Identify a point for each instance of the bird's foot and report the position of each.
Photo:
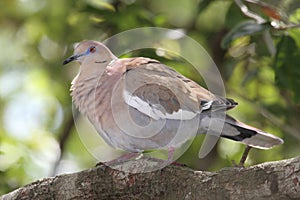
(124, 158)
(137, 162)
(243, 158)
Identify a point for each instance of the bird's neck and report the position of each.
(94, 85)
(81, 89)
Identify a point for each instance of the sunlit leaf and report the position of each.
(101, 5)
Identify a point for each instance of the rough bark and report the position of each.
(273, 180)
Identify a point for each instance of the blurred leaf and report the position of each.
(295, 32)
(203, 5)
(243, 29)
(234, 16)
(249, 76)
(101, 5)
(286, 65)
(267, 9)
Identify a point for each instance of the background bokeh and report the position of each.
(259, 63)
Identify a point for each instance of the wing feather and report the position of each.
(162, 93)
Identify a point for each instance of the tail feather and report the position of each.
(249, 135)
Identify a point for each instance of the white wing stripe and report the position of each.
(207, 105)
(156, 111)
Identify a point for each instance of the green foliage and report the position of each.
(286, 66)
(259, 64)
(247, 28)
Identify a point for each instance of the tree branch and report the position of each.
(273, 180)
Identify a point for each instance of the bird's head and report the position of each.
(91, 52)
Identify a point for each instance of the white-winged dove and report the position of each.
(113, 92)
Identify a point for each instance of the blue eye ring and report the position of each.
(92, 49)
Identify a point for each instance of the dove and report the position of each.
(139, 104)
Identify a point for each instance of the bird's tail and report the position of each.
(238, 131)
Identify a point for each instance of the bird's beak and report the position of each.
(72, 58)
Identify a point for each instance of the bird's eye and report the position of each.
(92, 49)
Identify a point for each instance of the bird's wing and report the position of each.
(206, 97)
(162, 93)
